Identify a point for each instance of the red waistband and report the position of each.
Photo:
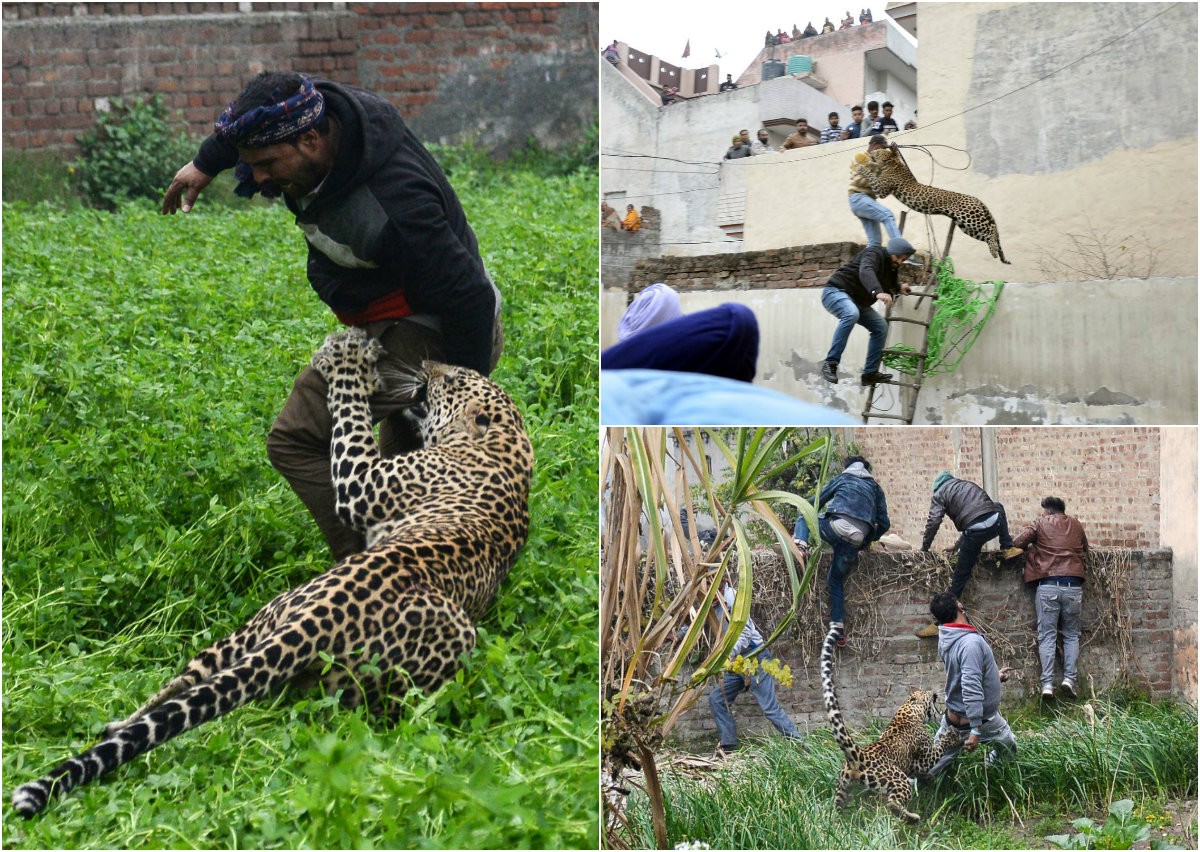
(392, 306)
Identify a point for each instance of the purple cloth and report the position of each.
(722, 341)
(655, 305)
(273, 123)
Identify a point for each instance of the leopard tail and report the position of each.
(853, 754)
(252, 677)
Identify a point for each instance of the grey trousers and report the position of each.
(994, 730)
(762, 685)
(1059, 608)
(298, 443)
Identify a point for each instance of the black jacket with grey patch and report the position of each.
(386, 233)
(965, 503)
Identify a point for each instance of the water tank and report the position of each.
(772, 68)
(799, 64)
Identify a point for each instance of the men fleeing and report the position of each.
(852, 514)
(732, 684)
(978, 518)
(389, 250)
(972, 684)
(1055, 545)
(870, 277)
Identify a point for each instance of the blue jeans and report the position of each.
(839, 303)
(763, 686)
(870, 212)
(1059, 606)
(970, 544)
(845, 558)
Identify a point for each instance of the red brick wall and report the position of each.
(1107, 477)
(62, 60)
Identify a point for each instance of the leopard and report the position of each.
(905, 749)
(887, 174)
(443, 523)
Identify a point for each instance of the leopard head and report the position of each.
(920, 707)
(459, 404)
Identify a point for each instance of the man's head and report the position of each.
(745, 136)
(628, 207)
(941, 479)
(873, 108)
(833, 119)
(877, 141)
(856, 114)
(944, 608)
(1054, 506)
(737, 139)
(856, 460)
(887, 109)
(763, 135)
(900, 250)
(282, 132)
(728, 78)
(801, 125)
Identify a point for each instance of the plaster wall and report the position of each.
(1139, 363)
(1119, 169)
(1178, 514)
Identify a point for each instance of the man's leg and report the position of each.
(870, 213)
(950, 753)
(1048, 607)
(763, 687)
(844, 556)
(720, 700)
(841, 306)
(298, 442)
(1002, 528)
(997, 732)
(969, 546)
(1072, 619)
(877, 326)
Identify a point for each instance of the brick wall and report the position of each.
(498, 72)
(1109, 478)
(874, 677)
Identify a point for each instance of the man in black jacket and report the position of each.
(870, 277)
(389, 249)
(978, 518)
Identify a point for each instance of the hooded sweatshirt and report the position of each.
(972, 677)
(387, 236)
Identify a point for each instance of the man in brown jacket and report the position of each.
(1054, 545)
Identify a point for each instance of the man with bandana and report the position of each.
(389, 250)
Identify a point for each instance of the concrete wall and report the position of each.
(1178, 531)
(498, 73)
(874, 676)
(1093, 150)
(1077, 353)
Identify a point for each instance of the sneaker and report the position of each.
(929, 631)
(1011, 552)
(1047, 691)
(829, 372)
(876, 378)
(1068, 686)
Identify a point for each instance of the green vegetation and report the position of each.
(144, 359)
(772, 795)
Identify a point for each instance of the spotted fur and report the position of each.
(443, 524)
(887, 174)
(904, 749)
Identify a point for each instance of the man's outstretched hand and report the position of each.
(184, 189)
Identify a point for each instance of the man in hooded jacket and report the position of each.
(389, 250)
(852, 514)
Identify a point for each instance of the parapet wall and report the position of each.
(497, 72)
(884, 660)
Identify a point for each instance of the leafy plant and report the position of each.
(1122, 830)
(133, 152)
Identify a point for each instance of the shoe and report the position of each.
(1011, 552)
(1047, 691)
(929, 631)
(1068, 686)
(802, 546)
(723, 751)
(876, 378)
(829, 371)
(841, 629)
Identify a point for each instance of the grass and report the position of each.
(144, 359)
(775, 796)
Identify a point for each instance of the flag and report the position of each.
(687, 49)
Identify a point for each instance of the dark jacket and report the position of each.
(387, 236)
(1058, 545)
(854, 493)
(866, 276)
(965, 503)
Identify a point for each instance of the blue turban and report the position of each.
(721, 341)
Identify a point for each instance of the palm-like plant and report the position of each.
(655, 606)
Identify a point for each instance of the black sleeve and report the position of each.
(868, 273)
(215, 156)
(444, 277)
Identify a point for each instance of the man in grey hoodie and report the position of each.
(972, 684)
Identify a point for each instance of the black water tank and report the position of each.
(773, 68)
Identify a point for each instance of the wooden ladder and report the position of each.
(909, 389)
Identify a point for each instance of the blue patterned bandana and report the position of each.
(276, 122)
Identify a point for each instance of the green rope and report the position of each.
(963, 308)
